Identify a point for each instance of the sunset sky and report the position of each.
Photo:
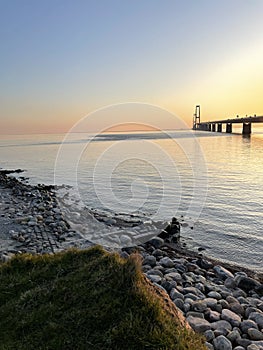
(62, 59)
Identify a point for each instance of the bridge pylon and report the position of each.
(197, 115)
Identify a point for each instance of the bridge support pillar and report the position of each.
(209, 127)
(213, 127)
(246, 129)
(219, 127)
(229, 128)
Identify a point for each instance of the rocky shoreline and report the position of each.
(223, 302)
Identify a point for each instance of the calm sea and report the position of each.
(214, 182)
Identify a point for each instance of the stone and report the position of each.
(222, 343)
(259, 290)
(221, 324)
(155, 278)
(198, 324)
(239, 348)
(260, 306)
(175, 294)
(156, 242)
(222, 272)
(149, 260)
(258, 318)
(254, 334)
(231, 317)
(191, 296)
(253, 347)
(166, 262)
(246, 283)
(155, 272)
(175, 276)
(158, 253)
(199, 306)
(210, 302)
(230, 283)
(195, 314)
(193, 290)
(233, 336)
(169, 285)
(209, 346)
(243, 342)
(214, 295)
(209, 335)
(249, 310)
(179, 303)
(221, 331)
(237, 308)
(213, 316)
(224, 304)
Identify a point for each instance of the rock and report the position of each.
(259, 344)
(247, 324)
(155, 278)
(220, 331)
(211, 302)
(249, 310)
(233, 336)
(179, 303)
(253, 347)
(255, 334)
(155, 272)
(230, 283)
(237, 308)
(158, 253)
(199, 306)
(222, 343)
(259, 290)
(246, 283)
(166, 262)
(149, 260)
(209, 346)
(156, 242)
(244, 342)
(171, 232)
(258, 318)
(221, 324)
(213, 316)
(195, 314)
(214, 295)
(175, 276)
(193, 290)
(231, 317)
(209, 335)
(198, 324)
(222, 272)
(169, 285)
(239, 348)
(175, 294)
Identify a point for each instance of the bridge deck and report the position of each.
(258, 119)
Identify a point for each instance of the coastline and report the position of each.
(222, 301)
(61, 236)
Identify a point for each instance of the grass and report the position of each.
(87, 299)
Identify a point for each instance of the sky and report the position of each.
(63, 59)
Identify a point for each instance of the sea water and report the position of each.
(213, 182)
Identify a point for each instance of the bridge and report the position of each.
(216, 125)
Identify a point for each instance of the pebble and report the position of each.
(226, 307)
(222, 343)
(211, 300)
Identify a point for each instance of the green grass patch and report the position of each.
(85, 299)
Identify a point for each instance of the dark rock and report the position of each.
(172, 232)
(247, 283)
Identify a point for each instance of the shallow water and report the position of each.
(214, 180)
